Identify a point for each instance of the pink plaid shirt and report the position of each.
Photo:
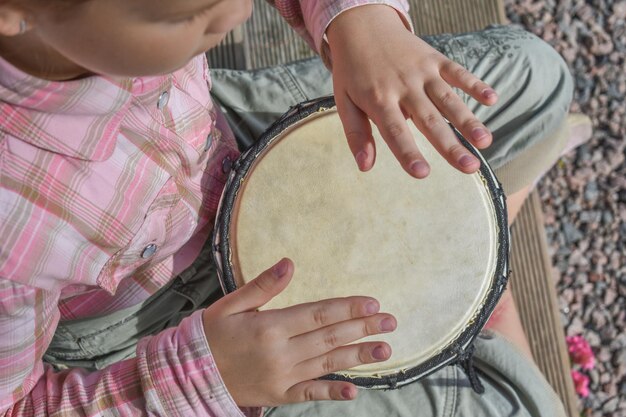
(109, 189)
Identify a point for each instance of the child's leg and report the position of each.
(535, 91)
(513, 387)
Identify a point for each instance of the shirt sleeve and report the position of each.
(173, 374)
(310, 18)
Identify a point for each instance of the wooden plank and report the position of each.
(230, 52)
(432, 17)
(534, 291)
(269, 41)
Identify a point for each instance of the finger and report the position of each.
(307, 317)
(459, 77)
(392, 125)
(432, 124)
(321, 341)
(453, 108)
(358, 131)
(343, 358)
(260, 290)
(321, 390)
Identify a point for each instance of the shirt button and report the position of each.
(163, 99)
(227, 164)
(148, 251)
(209, 141)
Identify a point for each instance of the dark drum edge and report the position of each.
(449, 355)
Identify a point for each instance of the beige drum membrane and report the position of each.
(425, 249)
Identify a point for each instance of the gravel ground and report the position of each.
(584, 196)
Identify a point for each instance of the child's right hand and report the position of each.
(272, 357)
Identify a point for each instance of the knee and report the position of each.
(549, 70)
(547, 77)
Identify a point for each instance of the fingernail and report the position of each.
(479, 134)
(346, 393)
(387, 325)
(379, 353)
(488, 93)
(371, 307)
(280, 269)
(361, 159)
(466, 161)
(420, 169)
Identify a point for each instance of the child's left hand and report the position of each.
(383, 72)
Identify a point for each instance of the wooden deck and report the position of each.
(265, 40)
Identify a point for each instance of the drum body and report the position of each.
(434, 252)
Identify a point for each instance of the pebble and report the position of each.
(591, 191)
(572, 234)
(604, 355)
(619, 342)
(576, 326)
(593, 338)
(598, 319)
(610, 296)
(611, 405)
(619, 357)
(594, 378)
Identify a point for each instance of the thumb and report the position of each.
(260, 290)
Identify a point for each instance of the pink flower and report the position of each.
(580, 352)
(581, 383)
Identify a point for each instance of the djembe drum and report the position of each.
(433, 252)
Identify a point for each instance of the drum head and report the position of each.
(426, 249)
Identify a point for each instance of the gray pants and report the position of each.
(514, 387)
(529, 134)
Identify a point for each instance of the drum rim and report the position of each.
(459, 349)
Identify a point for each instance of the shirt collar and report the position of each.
(79, 119)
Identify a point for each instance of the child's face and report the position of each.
(139, 37)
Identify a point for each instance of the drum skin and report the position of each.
(430, 250)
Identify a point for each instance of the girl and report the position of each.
(113, 157)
